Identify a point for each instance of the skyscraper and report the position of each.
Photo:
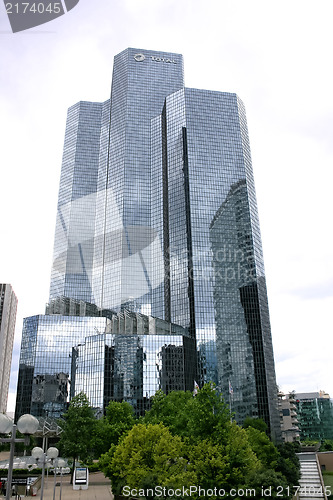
(8, 307)
(157, 215)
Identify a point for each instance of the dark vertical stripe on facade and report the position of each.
(166, 236)
(250, 302)
(189, 234)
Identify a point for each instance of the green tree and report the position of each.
(288, 462)
(280, 464)
(201, 444)
(263, 447)
(149, 455)
(240, 456)
(78, 428)
(327, 445)
(171, 410)
(118, 420)
(269, 483)
(256, 423)
(224, 465)
(200, 417)
(209, 463)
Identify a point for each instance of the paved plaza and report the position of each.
(99, 487)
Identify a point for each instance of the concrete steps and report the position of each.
(311, 481)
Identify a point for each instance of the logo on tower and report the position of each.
(139, 57)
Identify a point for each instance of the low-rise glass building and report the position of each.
(124, 357)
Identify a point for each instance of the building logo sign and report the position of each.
(141, 57)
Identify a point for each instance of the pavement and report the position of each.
(99, 489)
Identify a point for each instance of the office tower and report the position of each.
(315, 415)
(8, 307)
(157, 215)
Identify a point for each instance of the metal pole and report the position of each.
(10, 466)
(60, 483)
(55, 478)
(43, 475)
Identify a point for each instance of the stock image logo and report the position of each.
(25, 15)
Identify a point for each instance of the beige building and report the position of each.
(288, 418)
(8, 307)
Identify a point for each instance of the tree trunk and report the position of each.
(72, 473)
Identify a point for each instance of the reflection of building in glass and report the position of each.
(242, 323)
(43, 387)
(126, 357)
(145, 178)
(8, 306)
(130, 362)
(172, 367)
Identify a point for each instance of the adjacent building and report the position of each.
(8, 307)
(315, 415)
(157, 216)
(288, 417)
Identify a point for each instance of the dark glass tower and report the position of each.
(157, 215)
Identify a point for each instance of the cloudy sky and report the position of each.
(276, 55)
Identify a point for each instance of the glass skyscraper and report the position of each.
(157, 216)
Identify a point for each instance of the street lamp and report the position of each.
(61, 464)
(27, 424)
(39, 454)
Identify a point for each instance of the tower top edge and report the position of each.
(149, 52)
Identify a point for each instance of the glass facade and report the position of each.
(157, 215)
(315, 416)
(126, 357)
(136, 356)
(44, 381)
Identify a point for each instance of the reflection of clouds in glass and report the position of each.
(86, 249)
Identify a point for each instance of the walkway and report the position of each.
(311, 485)
(99, 489)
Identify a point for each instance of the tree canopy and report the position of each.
(200, 417)
(187, 440)
(78, 427)
(118, 420)
(147, 456)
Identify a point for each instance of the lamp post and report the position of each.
(27, 424)
(39, 454)
(61, 464)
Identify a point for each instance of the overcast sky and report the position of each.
(276, 55)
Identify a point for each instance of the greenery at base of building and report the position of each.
(21, 472)
(182, 440)
(78, 423)
(86, 437)
(185, 440)
(327, 445)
